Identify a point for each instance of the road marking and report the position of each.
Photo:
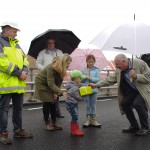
(104, 100)
(35, 108)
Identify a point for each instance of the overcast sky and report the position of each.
(86, 18)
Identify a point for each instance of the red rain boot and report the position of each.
(79, 129)
(75, 130)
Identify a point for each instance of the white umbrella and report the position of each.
(127, 38)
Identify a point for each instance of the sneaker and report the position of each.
(130, 130)
(21, 133)
(142, 132)
(4, 138)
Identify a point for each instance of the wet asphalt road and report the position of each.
(109, 137)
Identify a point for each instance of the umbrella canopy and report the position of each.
(79, 59)
(129, 38)
(65, 40)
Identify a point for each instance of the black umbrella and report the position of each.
(65, 40)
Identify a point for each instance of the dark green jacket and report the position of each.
(47, 83)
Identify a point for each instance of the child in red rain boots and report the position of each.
(73, 97)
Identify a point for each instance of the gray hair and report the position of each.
(120, 57)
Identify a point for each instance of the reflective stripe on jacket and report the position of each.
(11, 55)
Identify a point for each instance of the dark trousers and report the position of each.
(135, 100)
(17, 101)
(58, 112)
(49, 108)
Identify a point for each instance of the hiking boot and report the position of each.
(87, 123)
(4, 138)
(93, 122)
(57, 126)
(21, 133)
(142, 132)
(49, 127)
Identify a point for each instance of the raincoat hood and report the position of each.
(70, 84)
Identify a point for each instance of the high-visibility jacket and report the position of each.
(11, 57)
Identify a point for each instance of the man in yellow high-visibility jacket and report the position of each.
(13, 73)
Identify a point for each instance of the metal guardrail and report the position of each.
(99, 95)
(102, 88)
(31, 83)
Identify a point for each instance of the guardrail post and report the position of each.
(108, 93)
(108, 90)
(31, 99)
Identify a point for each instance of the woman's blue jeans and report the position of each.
(90, 104)
(17, 101)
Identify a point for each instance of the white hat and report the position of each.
(11, 24)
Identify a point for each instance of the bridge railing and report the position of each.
(105, 91)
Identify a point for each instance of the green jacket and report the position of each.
(142, 82)
(47, 83)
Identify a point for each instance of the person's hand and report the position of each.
(55, 96)
(133, 74)
(93, 85)
(87, 76)
(23, 75)
(65, 95)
